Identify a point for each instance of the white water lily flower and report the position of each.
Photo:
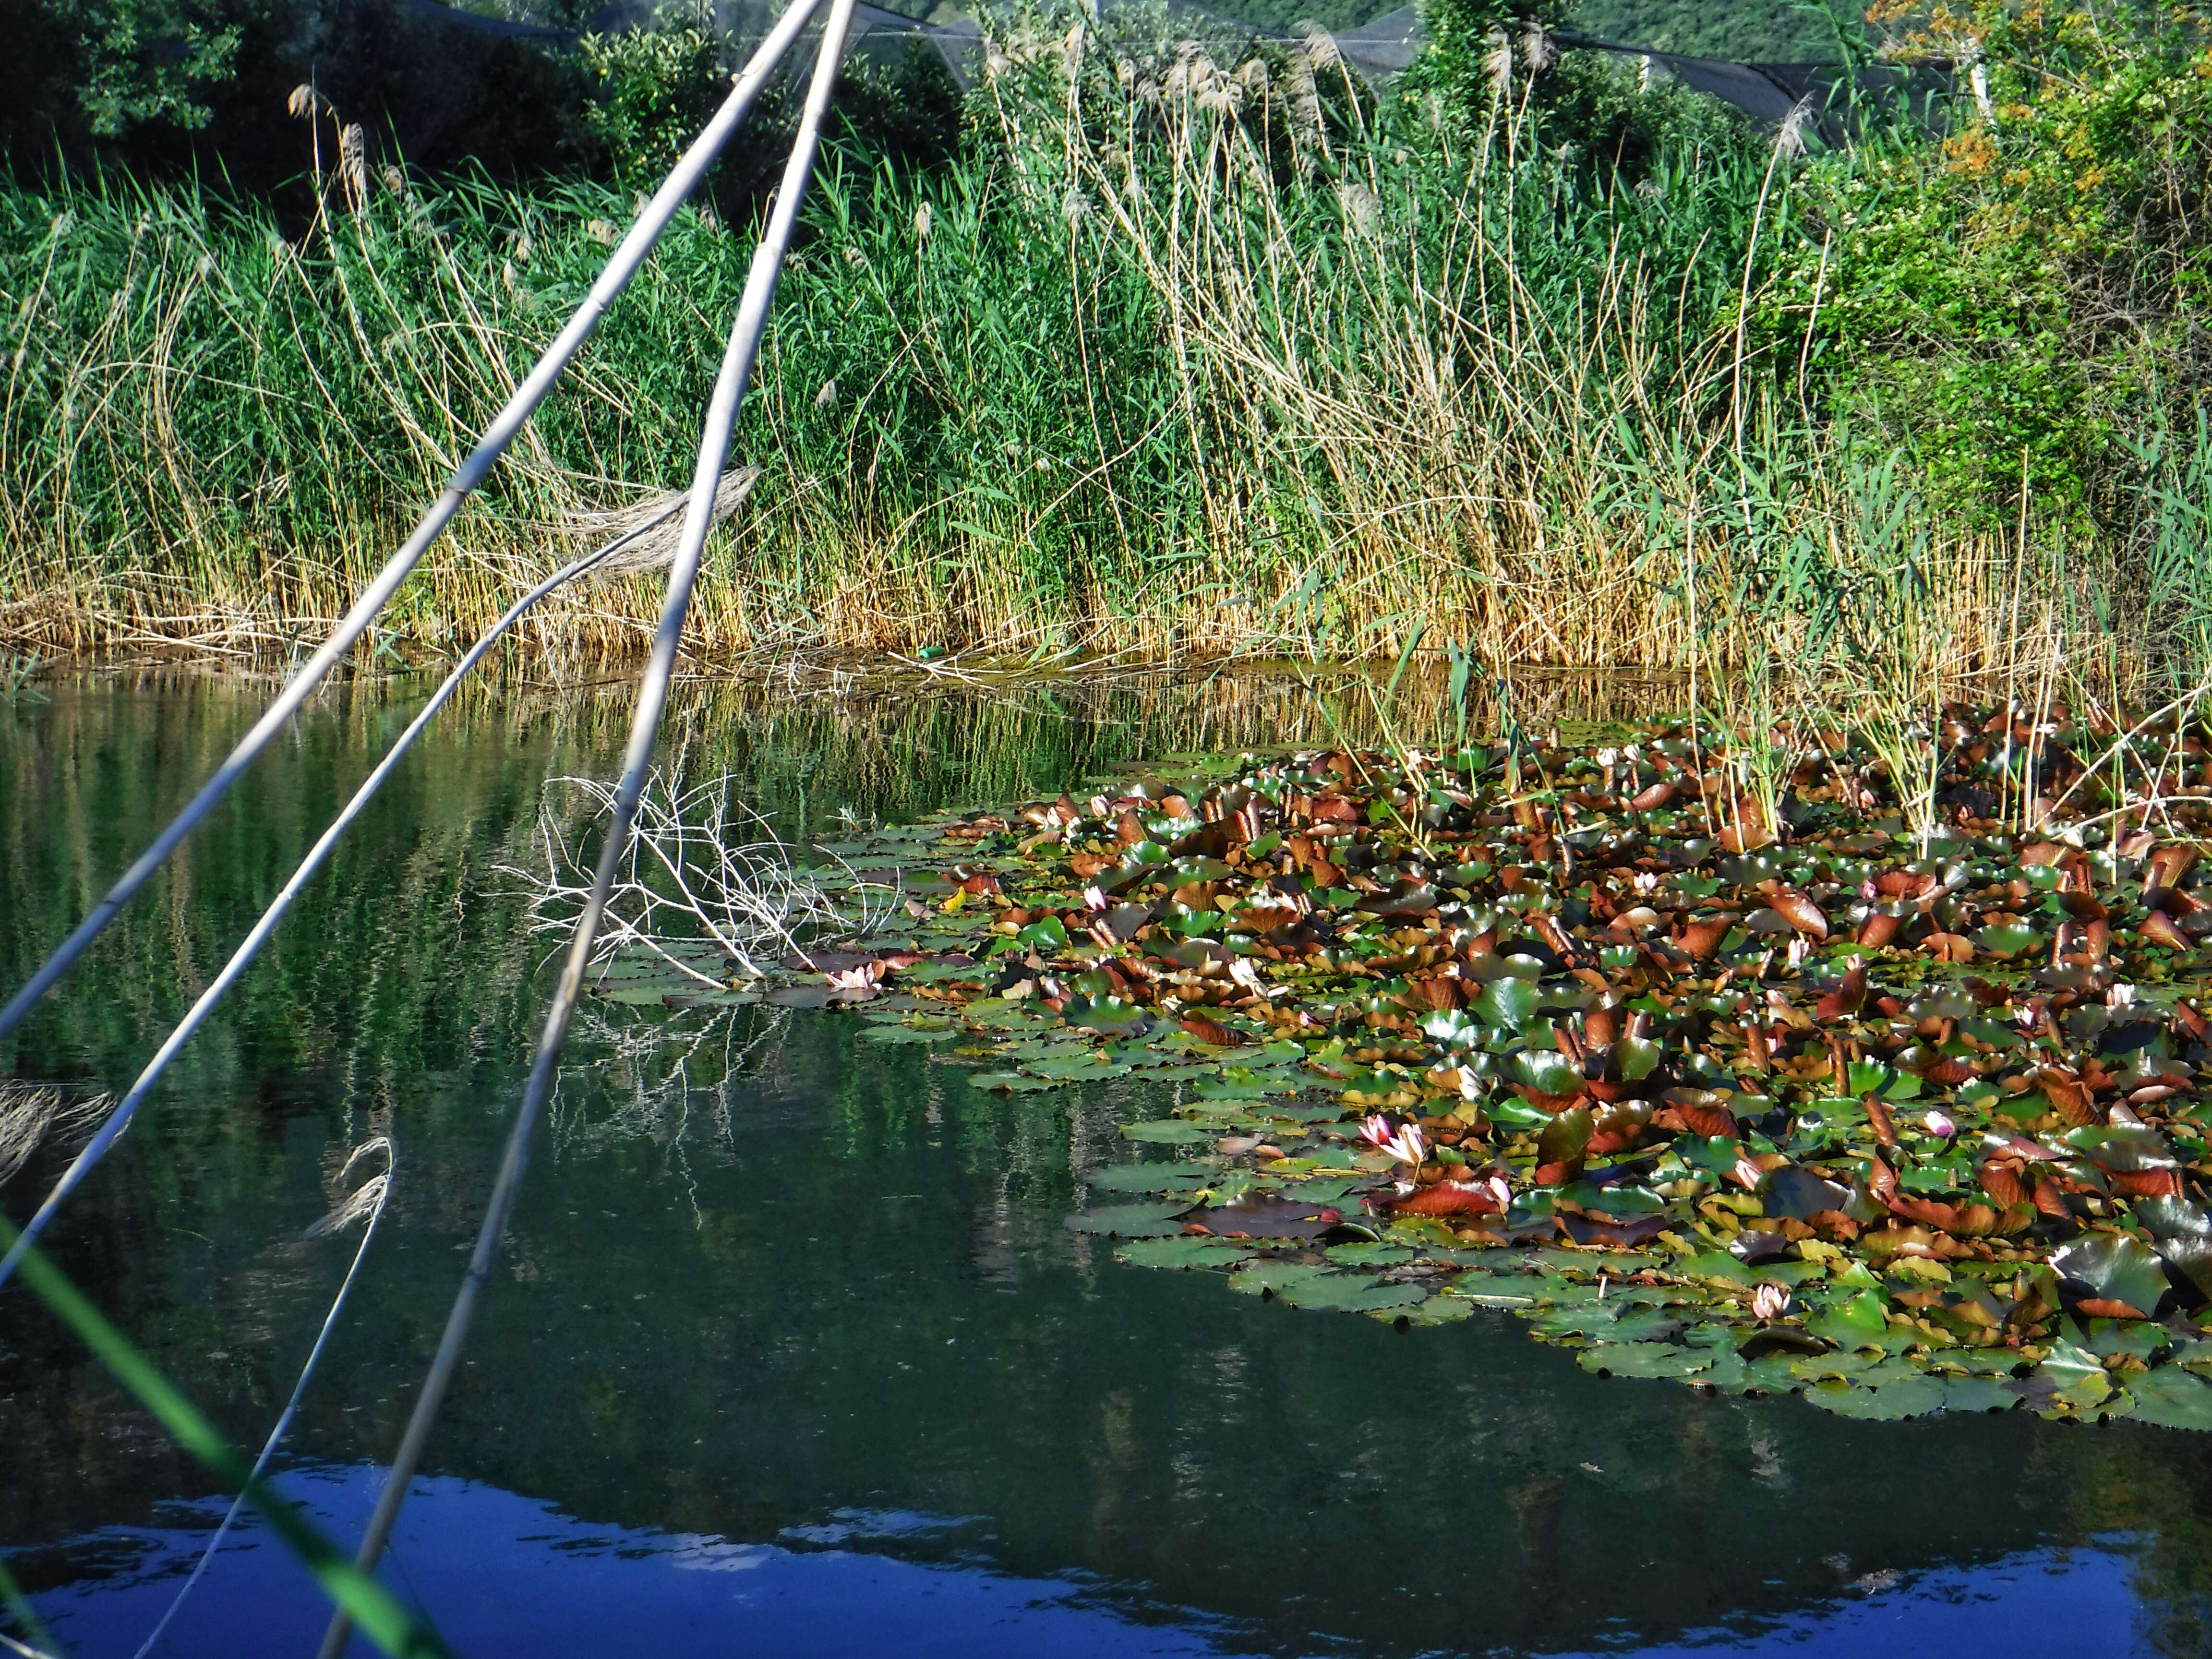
(1770, 1302)
(1411, 1146)
(1408, 1145)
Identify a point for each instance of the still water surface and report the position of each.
(790, 1352)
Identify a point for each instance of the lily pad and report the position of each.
(1977, 1394)
(1351, 1293)
(1130, 1220)
(1152, 1177)
(1182, 1253)
(2171, 1399)
(1168, 1131)
(1890, 1402)
(1644, 1359)
(2118, 1269)
(1834, 1112)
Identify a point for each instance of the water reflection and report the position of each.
(765, 1279)
(504, 1574)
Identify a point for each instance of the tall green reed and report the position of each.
(1196, 347)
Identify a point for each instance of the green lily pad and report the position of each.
(1182, 1253)
(1977, 1394)
(1152, 1177)
(1377, 1254)
(1016, 1083)
(2170, 1398)
(1509, 1002)
(1168, 1131)
(1447, 1307)
(1351, 1293)
(1109, 1014)
(1890, 1402)
(1275, 1277)
(1236, 1083)
(1858, 1321)
(2115, 1266)
(1645, 1359)
(2007, 940)
(1075, 1068)
(2070, 1379)
(1130, 1220)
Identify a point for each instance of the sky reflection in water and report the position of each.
(503, 1574)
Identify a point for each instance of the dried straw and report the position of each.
(30, 1112)
(656, 526)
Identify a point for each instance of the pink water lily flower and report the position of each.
(1408, 1145)
(1411, 1146)
(1769, 1302)
(1940, 1124)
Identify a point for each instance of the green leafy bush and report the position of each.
(656, 88)
(2014, 299)
(151, 60)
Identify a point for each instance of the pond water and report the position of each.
(790, 1351)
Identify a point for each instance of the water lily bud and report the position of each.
(1940, 1124)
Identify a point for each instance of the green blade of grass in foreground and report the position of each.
(373, 1610)
(37, 1638)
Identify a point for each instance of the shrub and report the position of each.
(2012, 300)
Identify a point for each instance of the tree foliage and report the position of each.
(2024, 298)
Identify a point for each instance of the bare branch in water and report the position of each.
(701, 868)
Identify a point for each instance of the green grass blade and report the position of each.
(1405, 657)
(371, 1608)
(41, 1642)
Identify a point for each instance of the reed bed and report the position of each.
(1193, 353)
